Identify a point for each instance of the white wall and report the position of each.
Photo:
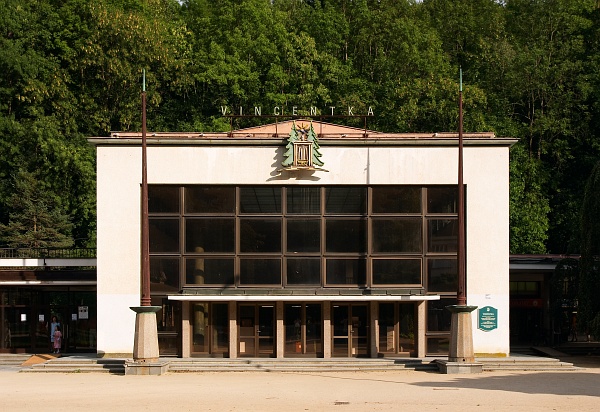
(118, 208)
(488, 243)
(119, 178)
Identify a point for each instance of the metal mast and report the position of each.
(461, 295)
(145, 299)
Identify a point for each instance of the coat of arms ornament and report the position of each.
(302, 149)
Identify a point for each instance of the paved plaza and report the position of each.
(288, 392)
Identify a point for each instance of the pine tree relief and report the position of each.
(289, 153)
(316, 154)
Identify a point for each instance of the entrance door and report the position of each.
(350, 330)
(303, 326)
(210, 328)
(256, 333)
(397, 328)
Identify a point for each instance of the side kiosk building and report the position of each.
(302, 239)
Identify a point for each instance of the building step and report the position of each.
(75, 369)
(525, 363)
(313, 365)
(176, 365)
(10, 359)
(79, 365)
(528, 368)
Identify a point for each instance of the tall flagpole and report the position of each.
(461, 295)
(145, 299)
(461, 356)
(145, 342)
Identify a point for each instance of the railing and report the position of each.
(41, 253)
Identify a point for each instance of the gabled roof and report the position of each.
(321, 128)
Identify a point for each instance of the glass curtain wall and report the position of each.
(271, 236)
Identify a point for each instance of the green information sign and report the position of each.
(487, 318)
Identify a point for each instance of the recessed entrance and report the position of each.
(397, 329)
(350, 326)
(256, 330)
(303, 325)
(210, 329)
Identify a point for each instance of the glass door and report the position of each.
(266, 329)
(247, 332)
(313, 324)
(388, 328)
(359, 331)
(341, 331)
(303, 325)
(397, 329)
(256, 330)
(350, 330)
(79, 330)
(210, 329)
(406, 329)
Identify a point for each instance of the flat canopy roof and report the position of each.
(302, 298)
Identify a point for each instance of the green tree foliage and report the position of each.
(589, 304)
(72, 68)
(528, 207)
(548, 85)
(36, 219)
(65, 168)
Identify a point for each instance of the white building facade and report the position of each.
(353, 254)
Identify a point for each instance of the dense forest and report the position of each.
(72, 69)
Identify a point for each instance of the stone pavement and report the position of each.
(303, 391)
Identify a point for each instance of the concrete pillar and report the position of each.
(461, 358)
(461, 334)
(421, 328)
(279, 330)
(233, 331)
(327, 330)
(145, 341)
(186, 341)
(374, 329)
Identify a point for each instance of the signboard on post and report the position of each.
(487, 318)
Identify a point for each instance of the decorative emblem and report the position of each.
(302, 149)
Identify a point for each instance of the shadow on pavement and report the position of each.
(552, 383)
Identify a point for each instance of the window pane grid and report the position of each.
(300, 236)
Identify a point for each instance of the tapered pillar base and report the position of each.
(145, 343)
(461, 357)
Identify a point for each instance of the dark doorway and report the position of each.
(350, 326)
(256, 330)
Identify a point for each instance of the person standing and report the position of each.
(57, 339)
(53, 325)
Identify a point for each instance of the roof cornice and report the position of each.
(379, 139)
